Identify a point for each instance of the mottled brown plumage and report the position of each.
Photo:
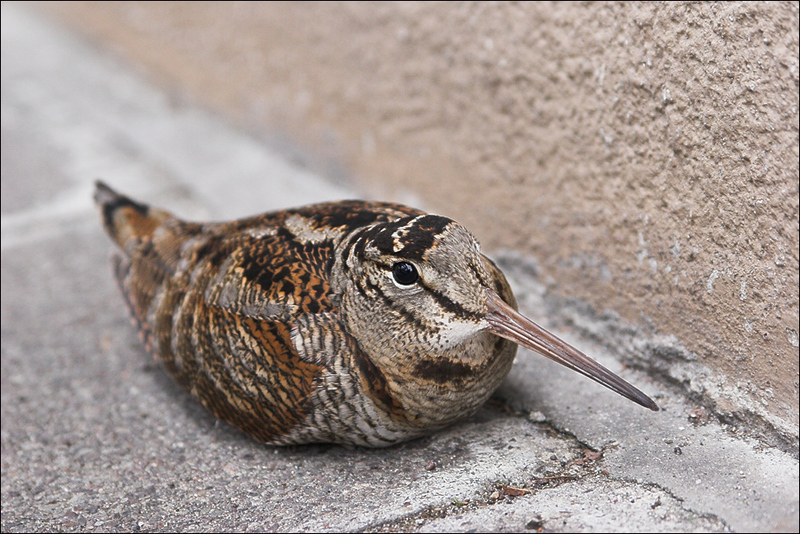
(353, 322)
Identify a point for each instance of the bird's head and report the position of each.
(418, 295)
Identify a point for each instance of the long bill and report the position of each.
(506, 322)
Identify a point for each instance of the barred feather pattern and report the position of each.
(264, 320)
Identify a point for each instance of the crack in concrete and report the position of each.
(661, 357)
(590, 470)
(501, 491)
(501, 495)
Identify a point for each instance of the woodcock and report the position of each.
(362, 323)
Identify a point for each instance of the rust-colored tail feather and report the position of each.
(124, 218)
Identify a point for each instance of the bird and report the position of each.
(351, 322)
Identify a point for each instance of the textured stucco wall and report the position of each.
(645, 154)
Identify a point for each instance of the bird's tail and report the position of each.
(126, 220)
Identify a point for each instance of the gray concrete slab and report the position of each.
(96, 437)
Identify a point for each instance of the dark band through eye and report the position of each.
(404, 273)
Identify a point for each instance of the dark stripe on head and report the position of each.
(452, 306)
(478, 275)
(415, 235)
(361, 239)
(415, 322)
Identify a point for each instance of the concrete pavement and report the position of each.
(95, 436)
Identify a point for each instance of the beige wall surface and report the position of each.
(646, 154)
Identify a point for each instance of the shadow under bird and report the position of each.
(352, 322)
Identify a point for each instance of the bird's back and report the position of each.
(217, 303)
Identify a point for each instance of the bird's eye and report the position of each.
(404, 273)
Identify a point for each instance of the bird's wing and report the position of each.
(216, 303)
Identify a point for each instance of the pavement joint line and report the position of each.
(484, 498)
(671, 494)
(417, 519)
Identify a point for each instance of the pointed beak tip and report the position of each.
(644, 401)
(506, 322)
